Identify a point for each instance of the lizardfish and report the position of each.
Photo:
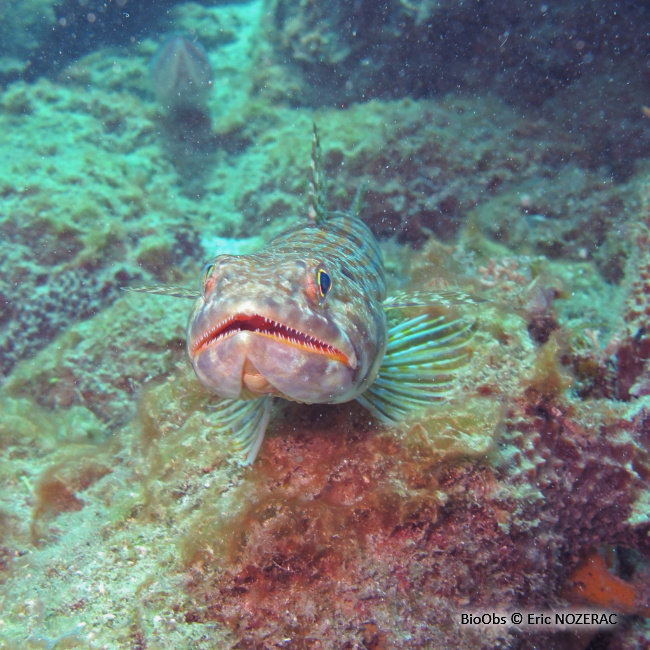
(304, 319)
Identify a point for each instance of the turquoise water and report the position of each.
(504, 153)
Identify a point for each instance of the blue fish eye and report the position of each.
(324, 283)
(207, 269)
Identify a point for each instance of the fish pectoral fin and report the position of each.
(245, 421)
(419, 368)
(402, 299)
(166, 290)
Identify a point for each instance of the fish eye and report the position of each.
(207, 270)
(324, 283)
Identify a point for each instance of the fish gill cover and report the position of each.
(504, 152)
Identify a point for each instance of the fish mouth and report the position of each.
(263, 326)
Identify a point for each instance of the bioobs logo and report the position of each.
(525, 619)
(488, 618)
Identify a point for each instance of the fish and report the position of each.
(181, 74)
(306, 319)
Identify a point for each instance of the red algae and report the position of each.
(57, 488)
(343, 532)
(329, 514)
(592, 583)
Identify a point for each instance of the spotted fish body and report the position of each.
(304, 319)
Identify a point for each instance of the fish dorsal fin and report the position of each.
(317, 190)
(166, 290)
(403, 299)
(419, 368)
(245, 421)
(357, 202)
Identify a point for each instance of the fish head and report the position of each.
(297, 328)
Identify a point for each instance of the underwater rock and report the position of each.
(343, 534)
(22, 28)
(67, 29)
(63, 297)
(339, 523)
(488, 502)
(350, 51)
(633, 350)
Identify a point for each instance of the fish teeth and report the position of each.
(277, 330)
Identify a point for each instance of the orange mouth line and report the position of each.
(269, 328)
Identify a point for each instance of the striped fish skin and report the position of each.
(262, 327)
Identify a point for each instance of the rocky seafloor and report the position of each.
(505, 153)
